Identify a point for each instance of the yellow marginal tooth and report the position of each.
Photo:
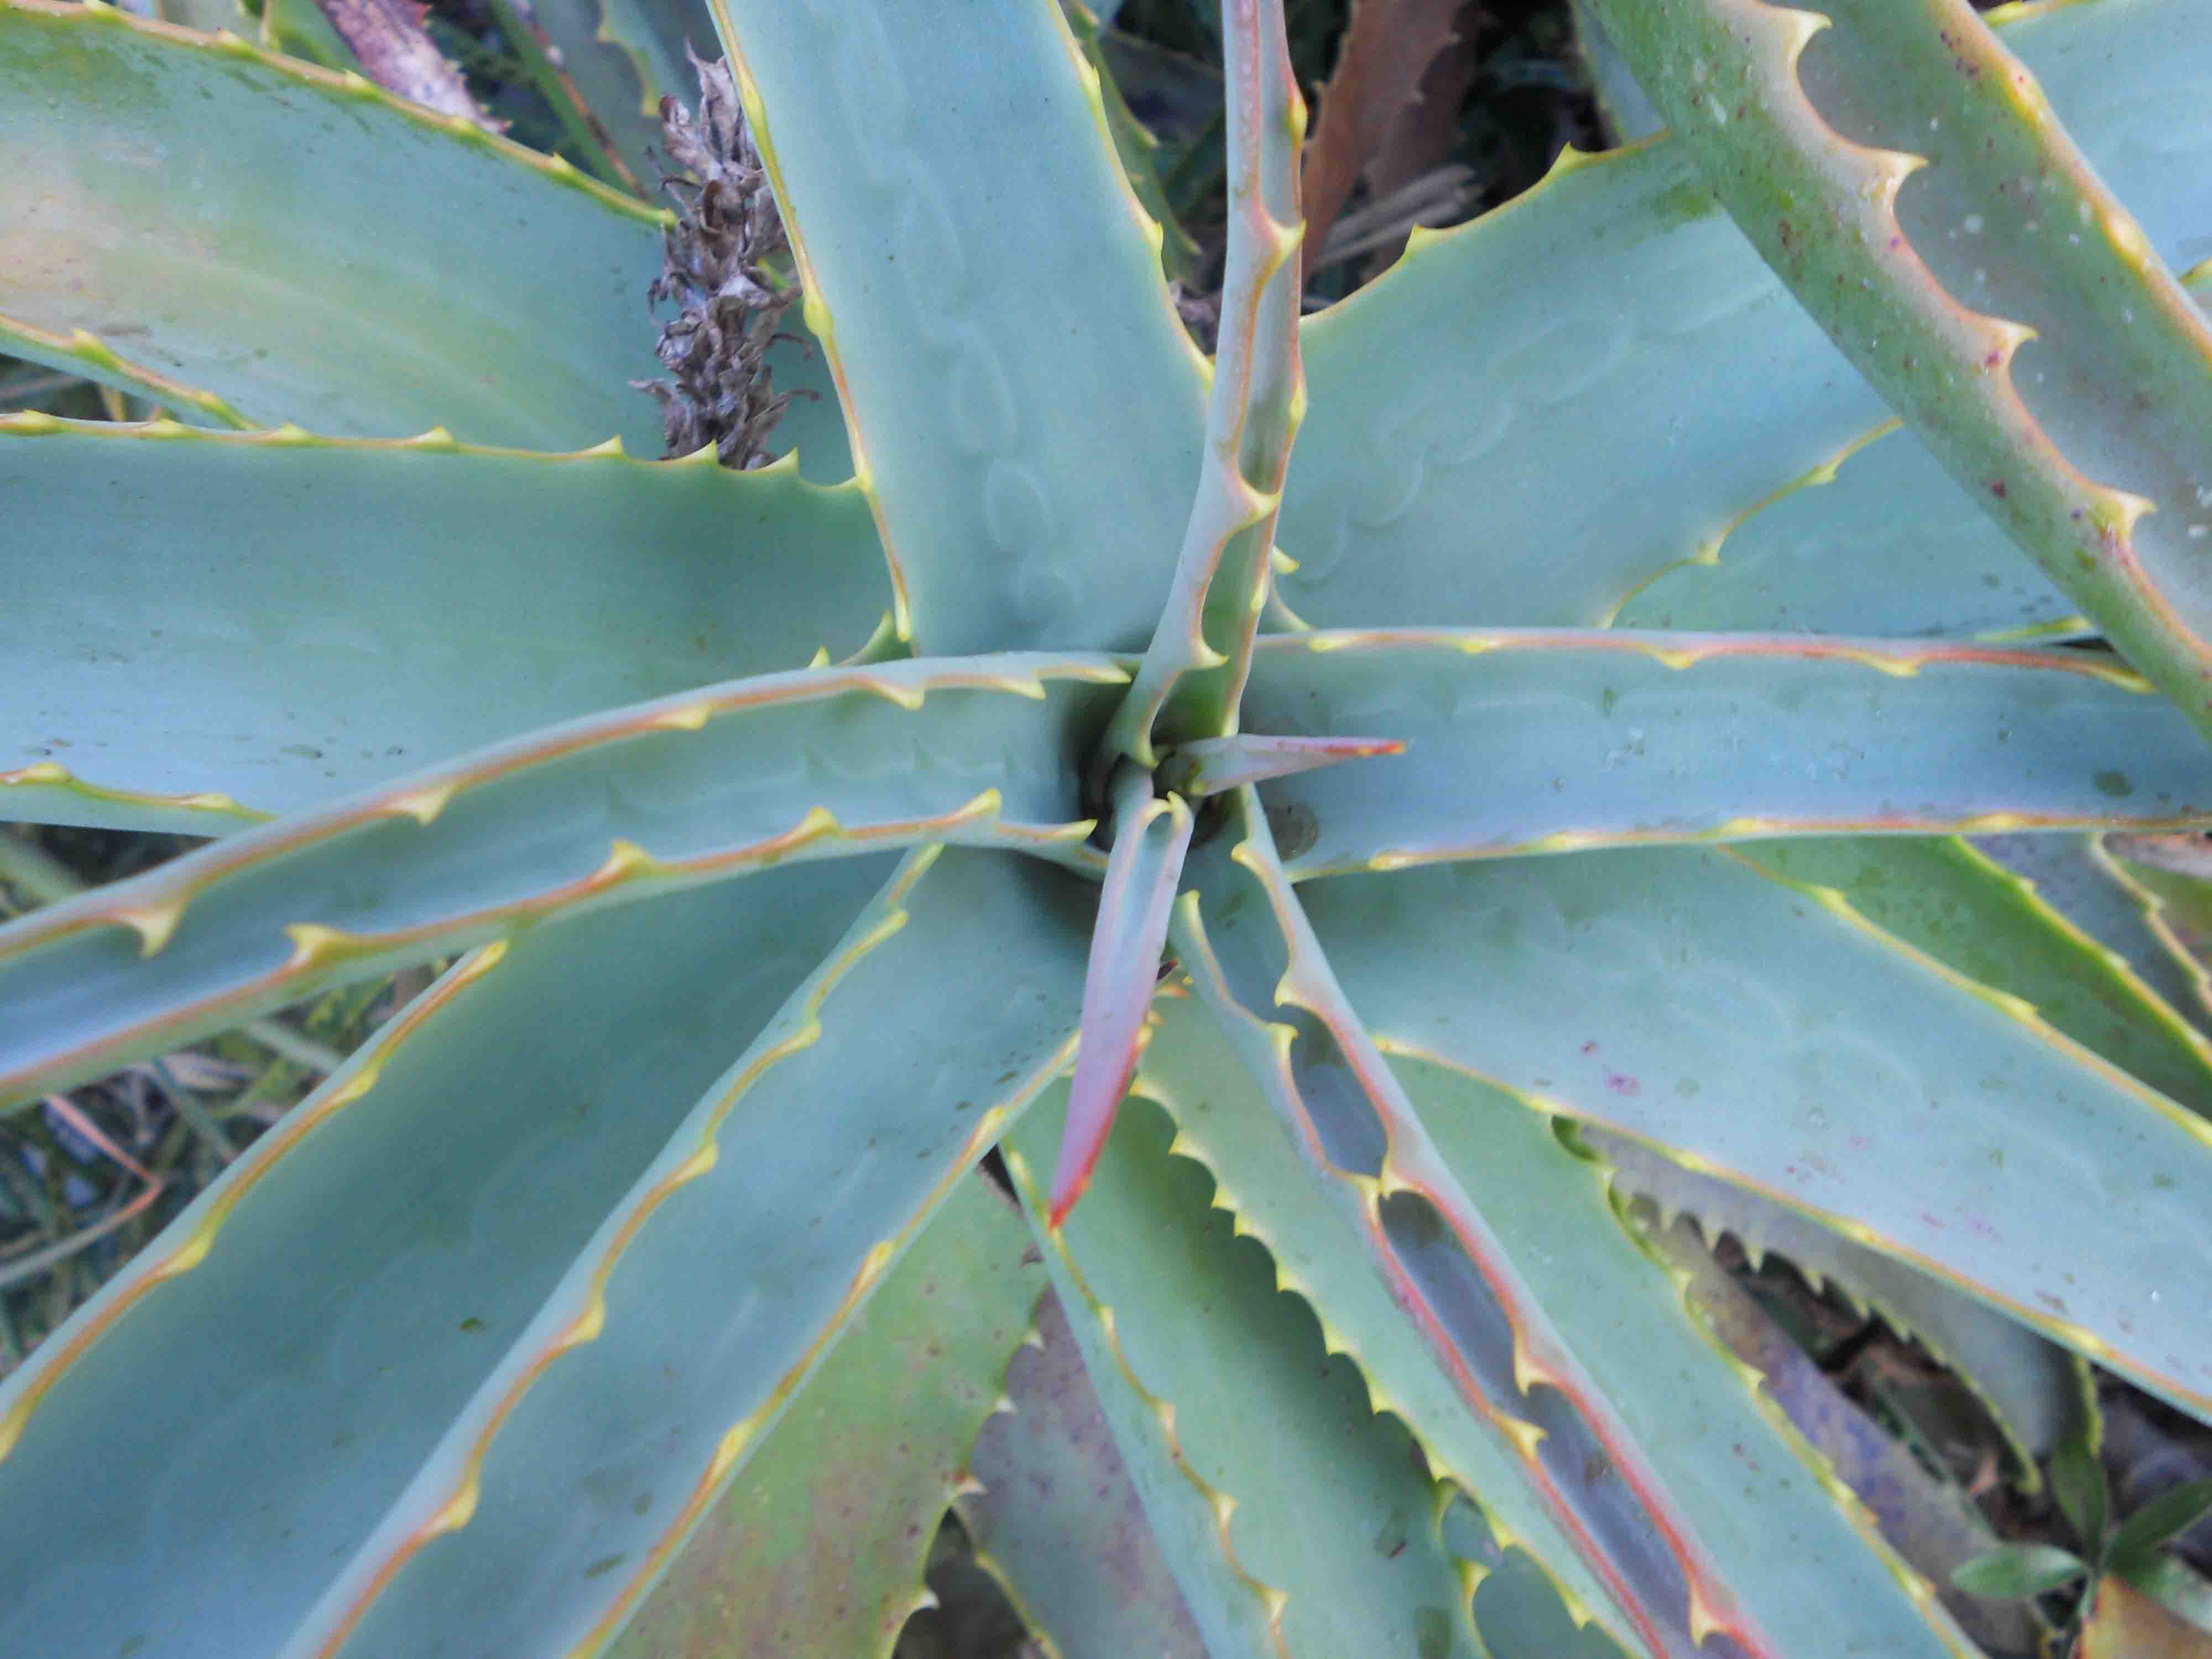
(1525, 1436)
(820, 659)
(153, 923)
(685, 717)
(422, 806)
(1901, 668)
(458, 1510)
(1702, 1620)
(730, 1449)
(908, 698)
(818, 822)
(612, 448)
(436, 438)
(625, 862)
(1673, 659)
(1021, 685)
(986, 806)
(312, 943)
(696, 1165)
(588, 1325)
(289, 434)
(32, 423)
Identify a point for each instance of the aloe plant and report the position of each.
(1543, 794)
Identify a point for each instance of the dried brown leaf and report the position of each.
(396, 52)
(1387, 49)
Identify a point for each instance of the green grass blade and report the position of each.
(983, 258)
(309, 248)
(701, 787)
(1536, 742)
(482, 591)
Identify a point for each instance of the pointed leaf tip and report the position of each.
(1212, 765)
(1142, 874)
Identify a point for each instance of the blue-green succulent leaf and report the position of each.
(1525, 741)
(700, 787)
(1711, 1431)
(819, 1546)
(1052, 1513)
(1654, 1527)
(1280, 1496)
(309, 248)
(1617, 303)
(481, 593)
(2026, 915)
(1929, 1521)
(983, 257)
(321, 1313)
(1143, 870)
(1192, 674)
(719, 1281)
(2006, 235)
(1768, 1034)
(2037, 1392)
(1225, 1119)
(2078, 877)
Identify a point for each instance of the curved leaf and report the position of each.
(1966, 906)
(1052, 1512)
(715, 1288)
(2092, 456)
(700, 787)
(323, 1311)
(482, 591)
(2036, 1392)
(983, 257)
(1534, 742)
(1143, 870)
(867, 1458)
(1617, 302)
(1285, 1526)
(308, 248)
(1192, 674)
(1653, 1526)
(1765, 1033)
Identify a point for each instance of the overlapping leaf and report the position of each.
(482, 591)
(700, 787)
(1530, 742)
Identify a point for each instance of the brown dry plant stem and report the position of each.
(399, 55)
(1385, 53)
(717, 266)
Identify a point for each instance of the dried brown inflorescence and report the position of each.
(716, 267)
